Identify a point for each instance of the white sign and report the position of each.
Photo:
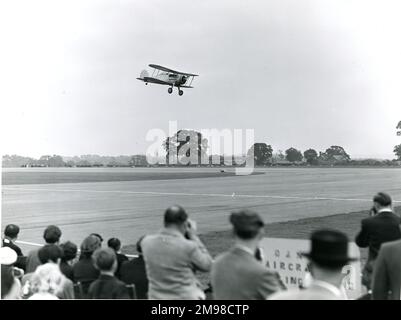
(284, 256)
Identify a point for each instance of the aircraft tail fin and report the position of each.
(144, 74)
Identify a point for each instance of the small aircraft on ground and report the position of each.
(168, 77)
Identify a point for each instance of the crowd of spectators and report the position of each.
(168, 263)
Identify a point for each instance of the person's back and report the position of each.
(171, 260)
(134, 272)
(107, 286)
(67, 270)
(387, 272)
(327, 257)
(84, 271)
(32, 261)
(69, 253)
(115, 244)
(168, 259)
(314, 292)
(51, 235)
(383, 227)
(237, 275)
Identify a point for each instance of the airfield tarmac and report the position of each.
(128, 209)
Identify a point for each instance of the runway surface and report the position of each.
(129, 209)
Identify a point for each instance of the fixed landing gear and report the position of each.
(170, 90)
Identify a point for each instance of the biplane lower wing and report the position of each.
(154, 80)
(186, 87)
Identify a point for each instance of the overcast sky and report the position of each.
(300, 73)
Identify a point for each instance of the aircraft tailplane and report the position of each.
(144, 74)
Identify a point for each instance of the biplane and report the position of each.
(168, 77)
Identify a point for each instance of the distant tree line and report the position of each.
(262, 153)
(83, 161)
(264, 156)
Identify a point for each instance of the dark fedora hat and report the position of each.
(329, 248)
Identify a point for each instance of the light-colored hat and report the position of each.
(7, 255)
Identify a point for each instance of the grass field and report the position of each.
(129, 202)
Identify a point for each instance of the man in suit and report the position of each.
(172, 257)
(11, 232)
(383, 226)
(387, 272)
(134, 272)
(328, 256)
(237, 274)
(107, 286)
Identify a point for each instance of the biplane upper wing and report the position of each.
(161, 68)
(154, 80)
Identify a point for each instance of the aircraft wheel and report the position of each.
(180, 92)
(170, 90)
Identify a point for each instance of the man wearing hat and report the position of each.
(328, 256)
(237, 274)
(383, 227)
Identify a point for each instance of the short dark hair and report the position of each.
(175, 215)
(11, 231)
(50, 252)
(382, 199)
(7, 279)
(104, 258)
(52, 234)
(114, 243)
(69, 250)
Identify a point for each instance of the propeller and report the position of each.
(183, 79)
